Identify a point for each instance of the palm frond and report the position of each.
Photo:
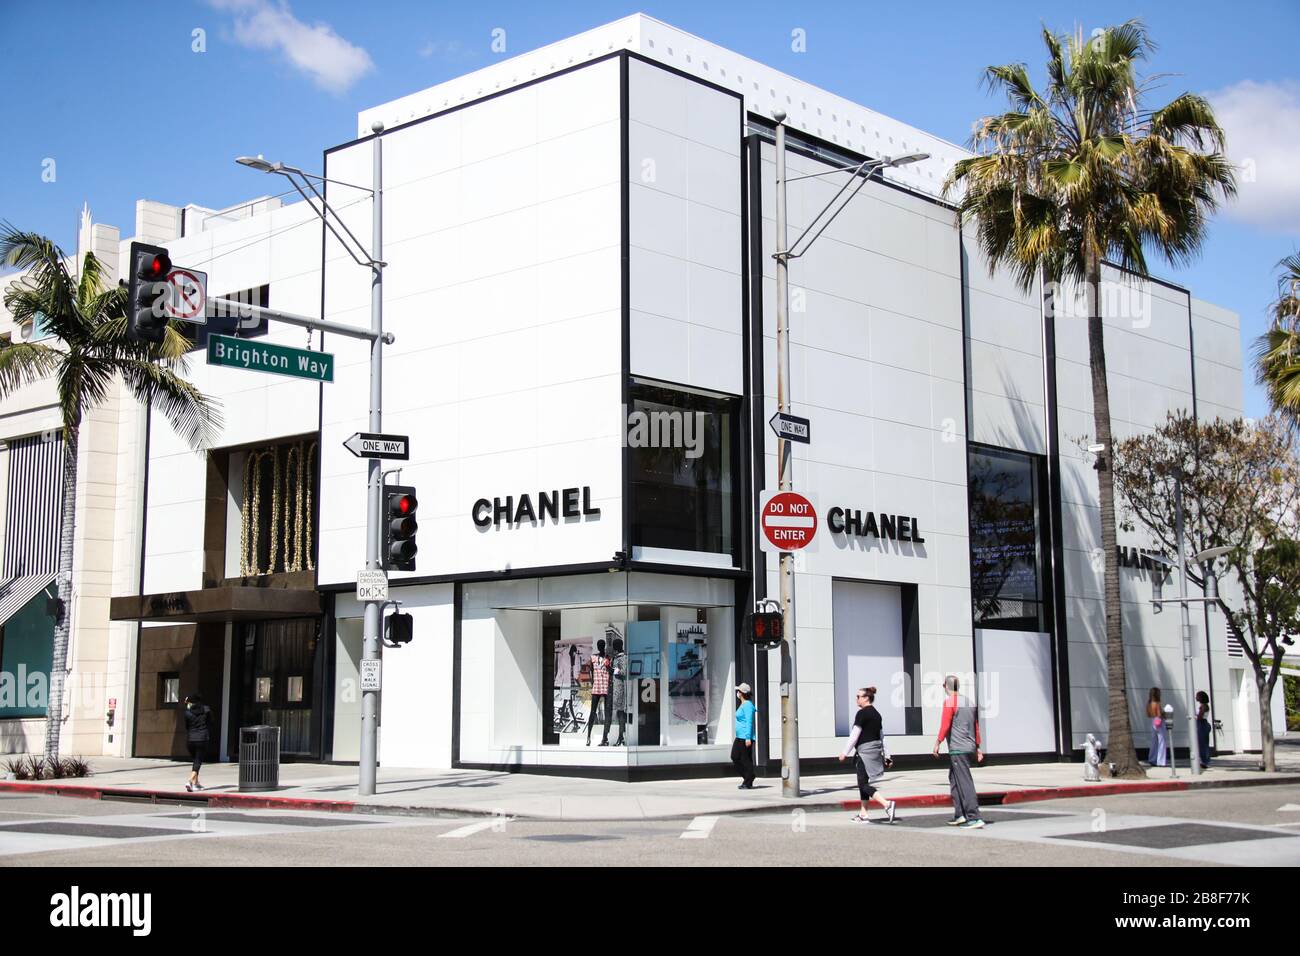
(46, 277)
(22, 363)
(1190, 120)
(195, 417)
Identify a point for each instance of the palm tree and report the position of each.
(92, 350)
(1077, 176)
(1277, 351)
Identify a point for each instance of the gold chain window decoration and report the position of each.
(288, 534)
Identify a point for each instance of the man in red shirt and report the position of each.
(960, 728)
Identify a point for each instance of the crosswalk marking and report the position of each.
(699, 828)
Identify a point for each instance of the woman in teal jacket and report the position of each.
(742, 748)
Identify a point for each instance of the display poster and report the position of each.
(688, 685)
(571, 689)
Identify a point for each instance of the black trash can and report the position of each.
(259, 758)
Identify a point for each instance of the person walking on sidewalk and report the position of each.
(198, 731)
(1203, 727)
(867, 747)
(960, 728)
(742, 748)
(1158, 754)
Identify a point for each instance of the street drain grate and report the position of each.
(1173, 836)
(569, 837)
(91, 830)
(221, 816)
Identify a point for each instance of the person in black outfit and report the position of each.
(867, 747)
(198, 731)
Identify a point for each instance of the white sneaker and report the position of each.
(976, 824)
(956, 823)
(890, 807)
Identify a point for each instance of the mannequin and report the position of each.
(620, 688)
(599, 692)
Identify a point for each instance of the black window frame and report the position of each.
(1042, 622)
(163, 702)
(689, 398)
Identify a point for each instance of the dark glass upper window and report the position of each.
(683, 479)
(1007, 541)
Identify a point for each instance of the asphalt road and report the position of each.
(1241, 826)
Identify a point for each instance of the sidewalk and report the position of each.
(472, 792)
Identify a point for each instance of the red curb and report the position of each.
(245, 801)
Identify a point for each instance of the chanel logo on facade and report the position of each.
(550, 504)
(882, 526)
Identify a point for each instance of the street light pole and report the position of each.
(784, 449)
(860, 174)
(1193, 742)
(374, 612)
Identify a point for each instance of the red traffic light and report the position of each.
(155, 268)
(400, 527)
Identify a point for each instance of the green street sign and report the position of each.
(265, 357)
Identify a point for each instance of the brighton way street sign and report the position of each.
(264, 357)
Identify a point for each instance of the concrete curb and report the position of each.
(267, 801)
(995, 798)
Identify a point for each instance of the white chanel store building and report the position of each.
(579, 246)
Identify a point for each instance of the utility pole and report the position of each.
(374, 613)
(860, 175)
(1193, 740)
(784, 449)
(373, 260)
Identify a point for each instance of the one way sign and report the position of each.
(370, 445)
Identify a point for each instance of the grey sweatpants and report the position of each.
(964, 801)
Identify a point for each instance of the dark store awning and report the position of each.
(234, 603)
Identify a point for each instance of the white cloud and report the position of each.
(330, 61)
(1262, 124)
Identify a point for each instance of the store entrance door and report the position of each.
(275, 664)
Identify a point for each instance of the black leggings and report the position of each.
(197, 748)
(865, 790)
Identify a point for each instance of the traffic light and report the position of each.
(764, 627)
(147, 292)
(400, 526)
(399, 628)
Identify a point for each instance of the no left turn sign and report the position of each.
(787, 521)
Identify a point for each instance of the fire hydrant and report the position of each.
(1092, 760)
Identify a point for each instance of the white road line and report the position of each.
(1289, 808)
(699, 828)
(462, 832)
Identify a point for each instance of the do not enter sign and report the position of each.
(787, 521)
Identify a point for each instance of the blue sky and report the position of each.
(116, 96)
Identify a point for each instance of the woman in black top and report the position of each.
(867, 747)
(198, 731)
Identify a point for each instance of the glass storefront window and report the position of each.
(682, 471)
(1007, 540)
(567, 672)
